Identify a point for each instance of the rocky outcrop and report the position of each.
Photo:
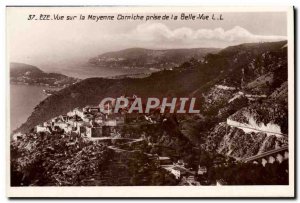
(235, 142)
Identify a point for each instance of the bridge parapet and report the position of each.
(276, 155)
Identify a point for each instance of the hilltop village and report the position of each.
(101, 125)
(96, 122)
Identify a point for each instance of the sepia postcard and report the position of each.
(150, 102)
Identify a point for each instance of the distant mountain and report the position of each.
(244, 84)
(148, 58)
(30, 75)
(20, 69)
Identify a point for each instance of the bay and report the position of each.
(23, 99)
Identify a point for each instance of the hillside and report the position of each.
(30, 75)
(148, 58)
(234, 81)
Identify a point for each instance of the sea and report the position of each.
(24, 98)
(84, 70)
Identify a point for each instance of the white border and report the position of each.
(175, 191)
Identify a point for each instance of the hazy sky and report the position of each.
(43, 42)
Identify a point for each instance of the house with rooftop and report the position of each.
(202, 170)
(91, 109)
(94, 131)
(178, 172)
(87, 118)
(68, 129)
(164, 160)
(114, 120)
(61, 125)
(41, 128)
(99, 120)
(79, 112)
